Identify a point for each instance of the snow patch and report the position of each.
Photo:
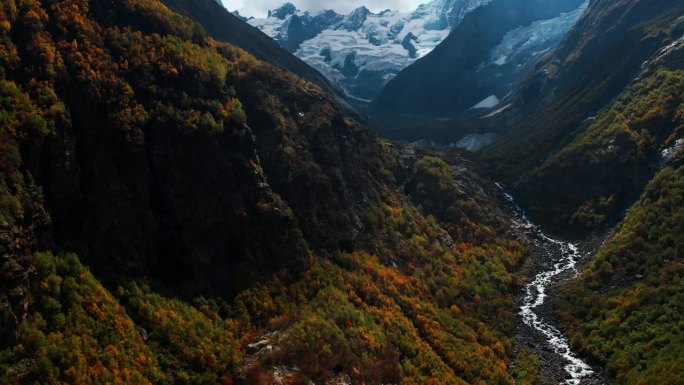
(474, 142)
(500, 110)
(489, 102)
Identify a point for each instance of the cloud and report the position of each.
(259, 8)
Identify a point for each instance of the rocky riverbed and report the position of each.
(555, 262)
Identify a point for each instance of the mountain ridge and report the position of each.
(224, 26)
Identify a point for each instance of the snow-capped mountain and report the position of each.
(362, 51)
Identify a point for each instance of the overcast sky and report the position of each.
(259, 8)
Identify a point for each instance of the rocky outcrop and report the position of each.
(283, 12)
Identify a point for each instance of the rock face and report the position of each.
(379, 45)
(283, 12)
(486, 54)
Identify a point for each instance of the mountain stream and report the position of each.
(557, 262)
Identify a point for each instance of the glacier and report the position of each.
(535, 39)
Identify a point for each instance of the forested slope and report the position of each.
(598, 175)
(625, 310)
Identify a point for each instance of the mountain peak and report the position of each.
(239, 16)
(283, 11)
(355, 20)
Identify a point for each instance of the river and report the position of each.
(558, 262)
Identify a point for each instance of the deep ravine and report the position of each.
(557, 262)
